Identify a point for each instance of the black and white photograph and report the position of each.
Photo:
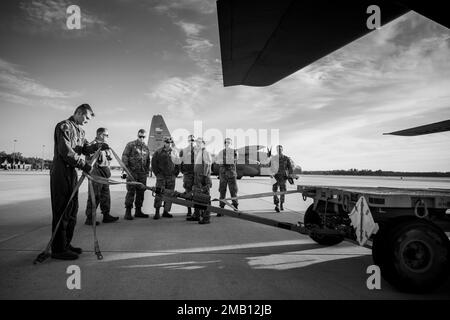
(224, 156)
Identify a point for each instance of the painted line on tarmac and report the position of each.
(344, 250)
(22, 234)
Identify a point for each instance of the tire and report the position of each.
(313, 218)
(414, 256)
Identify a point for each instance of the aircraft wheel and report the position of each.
(414, 256)
(312, 218)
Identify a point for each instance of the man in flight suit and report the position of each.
(187, 157)
(227, 159)
(101, 191)
(164, 166)
(70, 144)
(136, 157)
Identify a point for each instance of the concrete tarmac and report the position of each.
(176, 259)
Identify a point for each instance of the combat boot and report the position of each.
(140, 214)
(281, 206)
(65, 255)
(77, 250)
(128, 215)
(107, 218)
(189, 213)
(194, 217)
(167, 215)
(156, 216)
(205, 219)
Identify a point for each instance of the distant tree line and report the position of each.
(35, 162)
(368, 172)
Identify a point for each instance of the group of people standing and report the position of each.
(194, 162)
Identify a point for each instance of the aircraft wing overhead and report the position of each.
(425, 129)
(158, 130)
(263, 41)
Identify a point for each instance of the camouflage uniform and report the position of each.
(281, 167)
(136, 158)
(164, 166)
(203, 181)
(187, 157)
(101, 191)
(227, 173)
(70, 143)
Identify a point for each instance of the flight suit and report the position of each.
(164, 167)
(281, 167)
(101, 191)
(70, 144)
(227, 159)
(136, 158)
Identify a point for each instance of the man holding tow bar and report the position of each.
(70, 145)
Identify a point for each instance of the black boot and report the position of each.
(107, 218)
(205, 218)
(128, 215)
(140, 214)
(276, 208)
(65, 255)
(75, 249)
(156, 216)
(195, 216)
(281, 206)
(167, 215)
(189, 213)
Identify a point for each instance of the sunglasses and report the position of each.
(141, 137)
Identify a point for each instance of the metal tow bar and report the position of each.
(202, 201)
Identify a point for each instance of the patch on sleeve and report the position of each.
(65, 127)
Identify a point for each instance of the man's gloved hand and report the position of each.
(124, 175)
(87, 168)
(104, 146)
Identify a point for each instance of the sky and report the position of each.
(133, 59)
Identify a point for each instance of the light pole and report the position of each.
(14, 155)
(42, 166)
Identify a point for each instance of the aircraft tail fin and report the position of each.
(158, 130)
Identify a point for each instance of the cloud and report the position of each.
(199, 6)
(332, 113)
(191, 29)
(50, 16)
(182, 97)
(17, 87)
(394, 78)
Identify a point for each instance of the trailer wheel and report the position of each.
(312, 218)
(416, 256)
